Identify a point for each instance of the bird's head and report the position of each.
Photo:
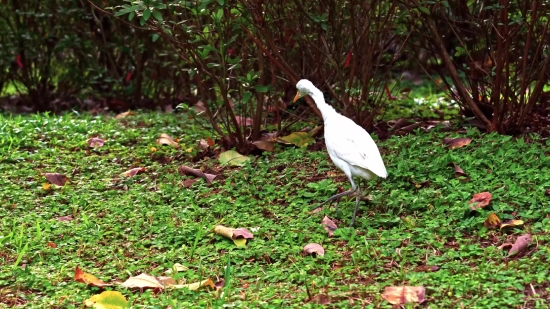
(304, 87)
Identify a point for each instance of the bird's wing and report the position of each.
(354, 145)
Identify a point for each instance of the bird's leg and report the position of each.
(337, 196)
(357, 200)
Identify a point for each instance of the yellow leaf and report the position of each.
(107, 300)
(300, 139)
(153, 149)
(492, 221)
(231, 157)
(511, 223)
(46, 186)
(239, 242)
(195, 286)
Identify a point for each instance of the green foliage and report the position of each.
(149, 222)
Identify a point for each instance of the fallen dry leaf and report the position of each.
(187, 171)
(505, 245)
(239, 236)
(315, 130)
(125, 114)
(453, 143)
(189, 182)
(89, 279)
(95, 142)
(195, 286)
(233, 158)
(426, 268)
(547, 192)
(399, 295)
(480, 200)
(203, 144)
(56, 179)
(410, 128)
(47, 186)
(166, 139)
(177, 268)
(329, 226)
(167, 281)
(51, 245)
(492, 221)
(242, 121)
(314, 248)
(143, 281)
(107, 300)
(264, 145)
(511, 223)
(133, 172)
(65, 218)
(521, 244)
(459, 172)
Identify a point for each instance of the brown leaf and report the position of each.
(453, 143)
(264, 145)
(314, 249)
(244, 121)
(505, 245)
(492, 221)
(133, 172)
(51, 245)
(166, 139)
(426, 268)
(521, 244)
(398, 124)
(143, 281)
(187, 171)
(410, 128)
(547, 192)
(166, 281)
(89, 279)
(95, 142)
(57, 179)
(329, 226)
(315, 131)
(203, 144)
(480, 200)
(459, 172)
(219, 284)
(65, 218)
(189, 182)
(399, 295)
(125, 114)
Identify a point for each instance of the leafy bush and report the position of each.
(500, 63)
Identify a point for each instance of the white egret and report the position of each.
(349, 146)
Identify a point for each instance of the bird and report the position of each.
(349, 146)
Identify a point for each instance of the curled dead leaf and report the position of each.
(453, 143)
(492, 221)
(410, 128)
(203, 144)
(244, 121)
(520, 245)
(329, 226)
(56, 179)
(480, 200)
(264, 145)
(511, 223)
(95, 142)
(195, 286)
(239, 236)
(189, 182)
(188, 171)
(89, 279)
(313, 248)
(459, 172)
(177, 268)
(143, 281)
(166, 139)
(426, 268)
(133, 172)
(399, 295)
(125, 114)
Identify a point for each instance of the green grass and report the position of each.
(126, 226)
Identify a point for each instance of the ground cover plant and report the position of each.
(417, 229)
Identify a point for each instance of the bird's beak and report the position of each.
(296, 97)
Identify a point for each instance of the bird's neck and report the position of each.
(325, 109)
